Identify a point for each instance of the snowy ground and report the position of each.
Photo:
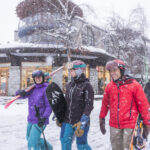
(13, 128)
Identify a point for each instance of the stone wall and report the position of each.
(94, 79)
(13, 80)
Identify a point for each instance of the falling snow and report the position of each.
(14, 121)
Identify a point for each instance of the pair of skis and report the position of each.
(28, 89)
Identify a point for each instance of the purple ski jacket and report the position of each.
(37, 96)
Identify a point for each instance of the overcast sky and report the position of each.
(102, 9)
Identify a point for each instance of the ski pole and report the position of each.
(38, 116)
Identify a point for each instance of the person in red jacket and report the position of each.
(124, 98)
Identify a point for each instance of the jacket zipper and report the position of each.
(70, 95)
(131, 108)
(118, 105)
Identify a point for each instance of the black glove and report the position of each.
(102, 125)
(22, 93)
(41, 122)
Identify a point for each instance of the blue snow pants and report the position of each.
(35, 142)
(67, 135)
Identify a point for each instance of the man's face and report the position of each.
(115, 73)
(38, 79)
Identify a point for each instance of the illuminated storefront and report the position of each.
(26, 73)
(103, 78)
(3, 81)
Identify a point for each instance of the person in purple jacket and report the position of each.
(37, 98)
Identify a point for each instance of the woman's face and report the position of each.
(39, 79)
(73, 73)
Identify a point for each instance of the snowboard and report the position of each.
(137, 140)
(56, 100)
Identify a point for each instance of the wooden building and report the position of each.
(36, 42)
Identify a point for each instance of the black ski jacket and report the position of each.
(147, 91)
(79, 98)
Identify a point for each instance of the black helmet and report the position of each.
(37, 73)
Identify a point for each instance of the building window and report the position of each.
(26, 76)
(3, 81)
(103, 78)
(88, 37)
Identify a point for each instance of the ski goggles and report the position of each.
(72, 66)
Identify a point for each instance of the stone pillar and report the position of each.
(94, 79)
(13, 80)
(57, 77)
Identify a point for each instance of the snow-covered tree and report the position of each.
(125, 43)
(138, 22)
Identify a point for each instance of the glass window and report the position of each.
(27, 74)
(88, 37)
(3, 81)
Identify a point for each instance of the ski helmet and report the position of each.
(47, 76)
(116, 63)
(79, 66)
(38, 73)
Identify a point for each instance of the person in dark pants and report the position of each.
(79, 97)
(147, 91)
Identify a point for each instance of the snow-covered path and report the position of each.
(13, 129)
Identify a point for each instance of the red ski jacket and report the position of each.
(125, 100)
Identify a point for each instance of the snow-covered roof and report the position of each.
(3, 55)
(29, 45)
(33, 45)
(52, 55)
(97, 50)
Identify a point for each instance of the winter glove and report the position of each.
(81, 125)
(22, 93)
(41, 122)
(102, 125)
(146, 130)
(79, 132)
(58, 124)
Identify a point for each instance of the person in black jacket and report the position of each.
(147, 90)
(79, 97)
